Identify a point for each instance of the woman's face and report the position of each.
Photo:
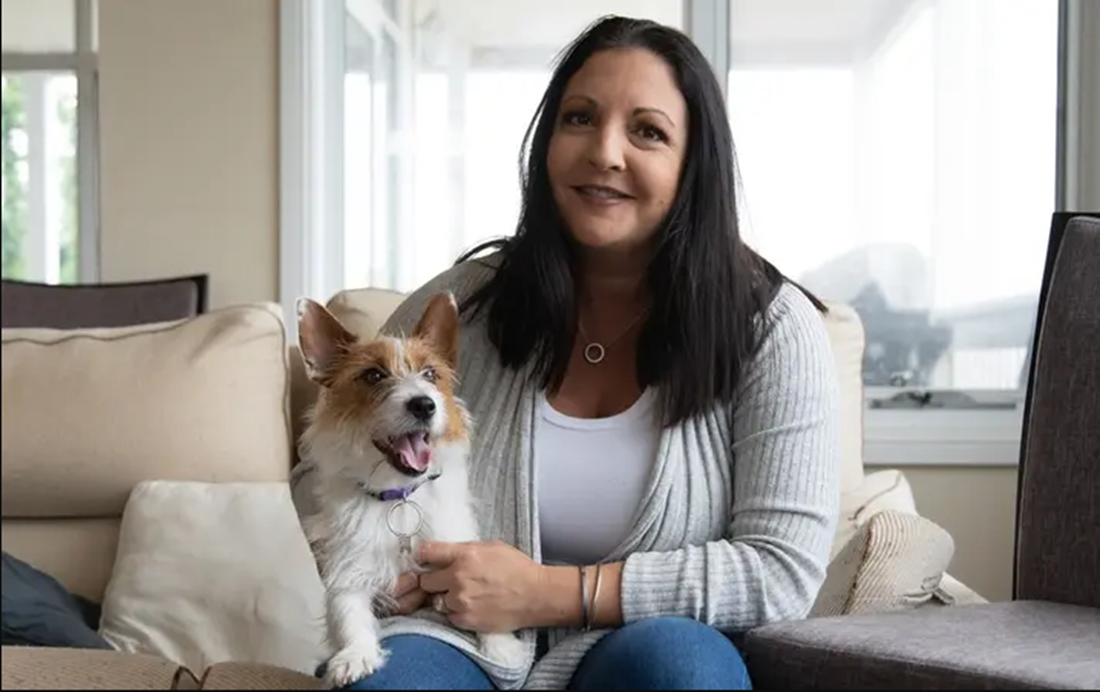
(617, 149)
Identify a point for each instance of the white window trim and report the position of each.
(310, 177)
(83, 61)
(311, 110)
(310, 163)
(957, 437)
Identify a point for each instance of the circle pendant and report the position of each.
(594, 353)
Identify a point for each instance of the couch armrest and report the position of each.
(256, 676)
(41, 668)
(1009, 646)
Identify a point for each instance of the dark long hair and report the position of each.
(707, 286)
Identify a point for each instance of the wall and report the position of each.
(977, 506)
(189, 143)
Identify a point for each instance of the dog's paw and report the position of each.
(354, 663)
(507, 650)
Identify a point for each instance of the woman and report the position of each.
(655, 405)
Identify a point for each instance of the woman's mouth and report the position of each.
(601, 194)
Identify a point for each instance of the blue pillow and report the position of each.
(39, 611)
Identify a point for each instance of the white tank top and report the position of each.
(592, 473)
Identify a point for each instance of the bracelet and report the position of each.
(595, 597)
(584, 595)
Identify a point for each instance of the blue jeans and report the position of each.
(658, 654)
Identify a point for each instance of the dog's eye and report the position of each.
(372, 375)
(430, 374)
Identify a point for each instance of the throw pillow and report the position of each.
(888, 489)
(894, 561)
(213, 572)
(39, 611)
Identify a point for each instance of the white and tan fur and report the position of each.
(364, 394)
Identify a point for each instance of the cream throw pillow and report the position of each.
(894, 561)
(881, 490)
(213, 572)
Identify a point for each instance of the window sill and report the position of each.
(942, 438)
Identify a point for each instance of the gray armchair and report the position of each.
(1048, 635)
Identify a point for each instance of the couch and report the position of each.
(145, 473)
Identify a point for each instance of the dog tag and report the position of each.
(402, 529)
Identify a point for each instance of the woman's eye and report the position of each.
(576, 119)
(372, 375)
(430, 375)
(653, 134)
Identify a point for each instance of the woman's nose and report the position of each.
(606, 151)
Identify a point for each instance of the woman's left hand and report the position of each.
(484, 587)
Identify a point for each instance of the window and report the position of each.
(900, 156)
(48, 137)
(377, 55)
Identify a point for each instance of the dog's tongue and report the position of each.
(414, 451)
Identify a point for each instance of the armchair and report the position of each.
(1048, 635)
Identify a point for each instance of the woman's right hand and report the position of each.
(408, 595)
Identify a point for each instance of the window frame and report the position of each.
(83, 62)
(312, 168)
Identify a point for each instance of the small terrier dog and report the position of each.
(389, 441)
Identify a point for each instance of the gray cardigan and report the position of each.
(736, 523)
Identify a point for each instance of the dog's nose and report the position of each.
(422, 407)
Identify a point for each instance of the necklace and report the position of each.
(594, 351)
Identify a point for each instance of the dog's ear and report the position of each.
(321, 338)
(439, 326)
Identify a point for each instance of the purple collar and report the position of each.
(402, 493)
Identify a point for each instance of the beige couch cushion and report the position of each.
(365, 310)
(77, 552)
(214, 572)
(847, 338)
(102, 409)
(87, 414)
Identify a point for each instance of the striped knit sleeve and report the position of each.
(786, 487)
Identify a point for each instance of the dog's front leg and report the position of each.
(353, 629)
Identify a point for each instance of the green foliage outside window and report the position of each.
(15, 184)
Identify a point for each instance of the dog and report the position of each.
(389, 441)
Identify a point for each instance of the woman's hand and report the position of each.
(483, 587)
(407, 594)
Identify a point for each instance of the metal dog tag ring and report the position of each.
(419, 519)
